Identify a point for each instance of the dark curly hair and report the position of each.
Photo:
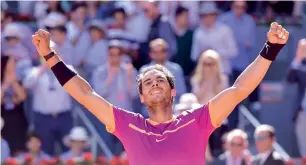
(158, 67)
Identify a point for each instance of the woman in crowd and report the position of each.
(206, 83)
(12, 111)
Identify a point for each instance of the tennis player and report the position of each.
(163, 139)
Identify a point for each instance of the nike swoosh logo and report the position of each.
(160, 140)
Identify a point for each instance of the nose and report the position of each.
(154, 84)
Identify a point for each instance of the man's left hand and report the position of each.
(277, 34)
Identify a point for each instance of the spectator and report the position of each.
(237, 153)
(55, 24)
(207, 82)
(5, 149)
(243, 27)
(159, 50)
(97, 53)
(77, 141)
(208, 79)
(51, 107)
(187, 101)
(12, 111)
(215, 35)
(77, 32)
(34, 150)
(297, 74)
(14, 48)
(265, 137)
(92, 7)
(118, 31)
(160, 27)
(184, 41)
(115, 82)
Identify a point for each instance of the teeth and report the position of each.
(156, 91)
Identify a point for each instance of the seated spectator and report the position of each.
(77, 32)
(160, 27)
(297, 74)
(159, 50)
(115, 82)
(35, 155)
(236, 153)
(265, 137)
(5, 149)
(208, 79)
(52, 107)
(184, 37)
(55, 23)
(187, 101)
(77, 141)
(118, 31)
(13, 95)
(213, 34)
(97, 53)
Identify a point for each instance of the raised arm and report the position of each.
(75, 85)
(224, 103)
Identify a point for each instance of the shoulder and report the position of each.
(277, 156)
(225, 15)
(144, 67)
(174, 66)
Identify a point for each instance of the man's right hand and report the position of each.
(41, 40)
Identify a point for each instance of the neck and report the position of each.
(161, 62)
(160, 114)
(34, 153)
(209, 26)
(267, 150)
(238, 15)
(180, 27)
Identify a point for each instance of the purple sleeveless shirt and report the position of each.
(180, 142)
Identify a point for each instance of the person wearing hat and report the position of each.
(77, 141)
(115, 82)
(187, 101)
(212, 34)
(97, 52)
(56, 23)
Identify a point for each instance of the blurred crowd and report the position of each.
(206, 46)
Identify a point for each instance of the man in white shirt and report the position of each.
(212, 34)
(265, 137)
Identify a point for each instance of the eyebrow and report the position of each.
(147, 80)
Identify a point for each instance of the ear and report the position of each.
(173, 92)
(141, 98)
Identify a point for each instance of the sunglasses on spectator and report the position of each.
(159, 51)
(10, 38)
(233, 144)
(209, 64)
(261, 138)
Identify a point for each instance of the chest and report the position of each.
(176, 142)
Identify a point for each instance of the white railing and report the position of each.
(247, 114)
(96, 140)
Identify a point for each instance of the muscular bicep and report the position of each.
(222, 105)
(79, 89)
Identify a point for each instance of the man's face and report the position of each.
(12, 41)
(263, 141)
(96, 34)
(183, 19)
(119, 18)
(239, 7)
(158, 53)
(57, 36)
(236, 146)
(78, 145)
(79, 13)
(34, 144)
(209, 19)
(114, 56)
(148, 9)
(156, 89)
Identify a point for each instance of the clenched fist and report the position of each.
(277, 34)
(42, 42)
